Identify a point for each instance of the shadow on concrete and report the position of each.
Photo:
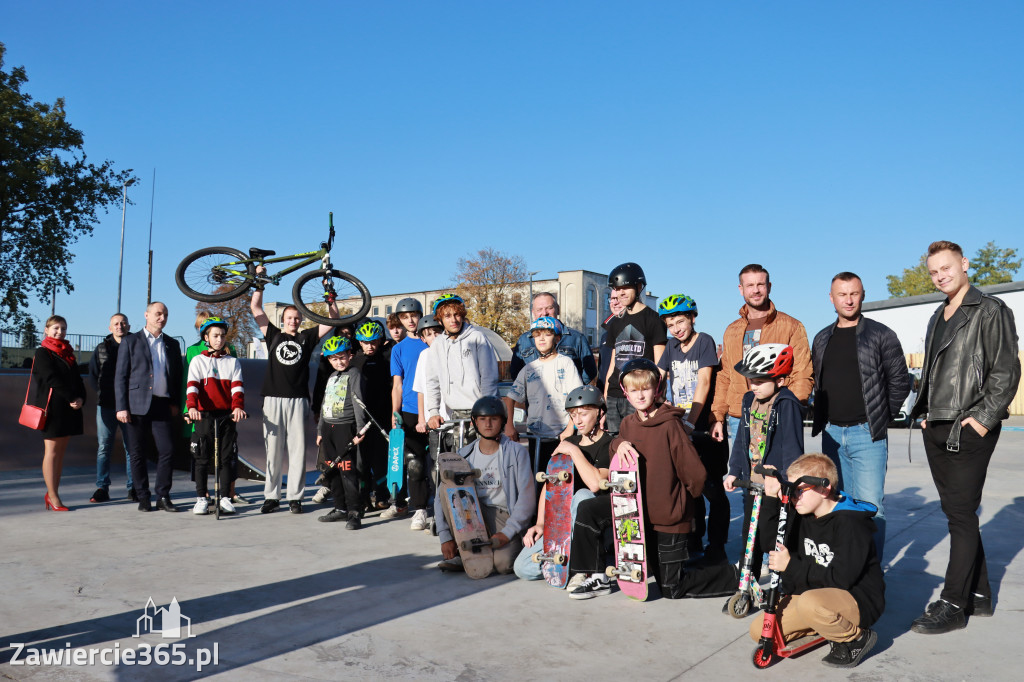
(317, 608)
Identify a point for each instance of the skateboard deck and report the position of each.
(630, 535)
(467, 524)
(557, 520)
(396, 458)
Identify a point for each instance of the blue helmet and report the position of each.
(547, 323)
(677, 303)
(445, 298)
(335, 345)
(212, 322)
(369, 331)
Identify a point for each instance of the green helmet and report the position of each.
(335, 345)
(212, 322)
(445, 298)
(369, 331)
(677, 303)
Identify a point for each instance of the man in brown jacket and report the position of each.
(759, 323)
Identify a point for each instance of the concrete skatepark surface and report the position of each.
(286, 597)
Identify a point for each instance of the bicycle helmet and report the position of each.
(409, 305)
(767, 361)
(584, 396)
(489, 406)
(445, 298)
(369, 331)
(335, 345)
(428, 323)
(637, 364)
(677, 303)
(628, 275)
(547, 323)
(212, 322)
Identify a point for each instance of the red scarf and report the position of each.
(61, 349)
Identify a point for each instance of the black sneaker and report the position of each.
(132, 495)
(101, 495)
(849, 654)
(940, 617)
(594, 586)
(334, 515)
(295, 507)
(980, 606)
(269, 506)
(353, 522)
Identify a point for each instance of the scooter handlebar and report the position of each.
(775, 473)
(749, 485)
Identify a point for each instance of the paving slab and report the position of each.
(282, 596)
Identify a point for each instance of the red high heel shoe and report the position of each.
(50, 505)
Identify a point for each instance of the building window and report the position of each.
(607, 302)
(591, 298)
(376, 311)
(387, 311)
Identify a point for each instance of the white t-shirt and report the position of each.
(543, 385)
(419, 382)
(488, 486)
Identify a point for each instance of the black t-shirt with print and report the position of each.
(633, 336)
(597, 453)
(288, 362)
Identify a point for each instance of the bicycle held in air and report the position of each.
(221, 273)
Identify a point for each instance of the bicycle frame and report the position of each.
(308, 258)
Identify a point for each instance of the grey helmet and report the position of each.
(583, 396)
(428, 322)
(409, 305)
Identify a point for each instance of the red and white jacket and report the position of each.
(214, 382)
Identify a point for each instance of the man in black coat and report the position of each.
(102, 367)
(862, 380)
(147, 393)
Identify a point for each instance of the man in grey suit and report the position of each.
(147, 392)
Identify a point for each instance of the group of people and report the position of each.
(657, 391)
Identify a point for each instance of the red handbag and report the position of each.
(31, 416)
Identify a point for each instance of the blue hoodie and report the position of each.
(784, 441)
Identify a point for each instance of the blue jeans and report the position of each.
(616, 409)
(862, 465)
(524, 566)
(106, 427)
(732, 425)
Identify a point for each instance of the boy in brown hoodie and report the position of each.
(671, 473)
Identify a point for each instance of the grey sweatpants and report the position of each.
(284, 432)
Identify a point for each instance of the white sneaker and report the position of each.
(594, 586)
(321, 495)
(419, 520)
(202, 506)
(393, 512)
(226, 507)
(576, 580)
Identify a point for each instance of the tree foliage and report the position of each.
(49, 195)
(990, 265)
(236, 312)
(491, 284)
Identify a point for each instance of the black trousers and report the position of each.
(418, 476)
(959, 479)
(373, 457)
(158, 420)
(715, 458)
(202, 450)
(344, 476)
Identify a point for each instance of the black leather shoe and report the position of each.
(145, 506)
(295, 507)
(980, 606)
(165, 504)
(101, 495)
(334, 515)
(939, 618)
(269, 506)
(132, 495)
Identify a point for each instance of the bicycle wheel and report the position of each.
(353, 297)
(214, 274)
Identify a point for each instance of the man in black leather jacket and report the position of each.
(861, 380)
(971, 373)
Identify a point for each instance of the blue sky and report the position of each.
(690, 137)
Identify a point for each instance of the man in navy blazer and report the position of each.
(147, 392)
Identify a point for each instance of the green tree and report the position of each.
(491, 284)
(236, 312)
(29, 333)
(912, 282)
(49, 195)
(992, 265)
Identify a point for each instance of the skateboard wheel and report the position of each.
(541, 477)
(628, 485)
(611, 571)
(476, 473)
(448, 475)
(560, 559)
(604, 485)
(465, 546)
(535, 557)
(636, 575)
(564, 476)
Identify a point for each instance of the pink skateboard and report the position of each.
(557, 520)
(630, 567)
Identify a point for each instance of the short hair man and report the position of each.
(862, 379)
(572, 345)
(759, 323)
(102, 366)
(970, 375)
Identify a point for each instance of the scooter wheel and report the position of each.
(762, 660)
(738, 605)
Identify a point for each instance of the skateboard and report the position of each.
(630, 567)
(557, 520)
(459, 493)
(396, 458)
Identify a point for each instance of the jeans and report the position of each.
(862, 464)
(617, 409)
(732, 426)
(106, 427)
(524, 566)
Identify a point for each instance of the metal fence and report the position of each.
(14, 354)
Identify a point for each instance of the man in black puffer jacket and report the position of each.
(862, 380)
(101, 376)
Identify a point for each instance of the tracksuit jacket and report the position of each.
(465, 368)
(214, 383)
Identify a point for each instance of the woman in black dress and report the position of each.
(56, 368)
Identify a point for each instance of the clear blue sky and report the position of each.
(693, 138)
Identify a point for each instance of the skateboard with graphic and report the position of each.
(630, 567)
(458, 490)
(557, 520)
(396, 459)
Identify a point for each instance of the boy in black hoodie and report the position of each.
(772, 423)
(830, 570)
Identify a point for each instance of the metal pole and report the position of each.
(53, 301)
(120, 266)
(149, 279)
(529, 305)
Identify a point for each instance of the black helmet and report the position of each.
(628, 275)
(637, 364)
(428, 322)
(583, 396)
(409, 305)
(489, 406)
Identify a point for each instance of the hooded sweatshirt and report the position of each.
(671, 473)
(834, 550)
